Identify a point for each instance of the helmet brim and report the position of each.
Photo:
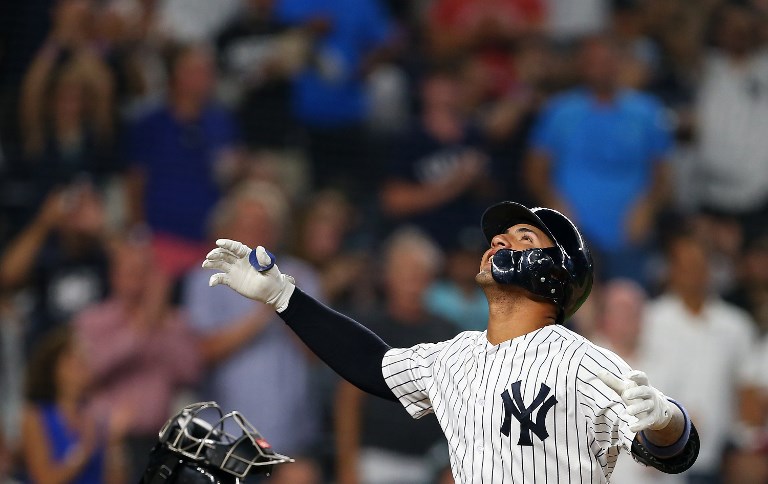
(500, 217)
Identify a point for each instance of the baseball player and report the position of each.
(527, 400)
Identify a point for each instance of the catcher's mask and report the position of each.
(562, 274)
(194, 447)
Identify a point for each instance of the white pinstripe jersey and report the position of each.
(529, 410)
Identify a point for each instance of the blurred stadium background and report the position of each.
(360, 140)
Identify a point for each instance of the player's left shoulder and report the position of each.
(589, 356)
(598, 358)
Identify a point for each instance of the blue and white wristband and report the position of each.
(672, 450)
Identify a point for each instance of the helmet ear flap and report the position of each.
(577, 258)
(538, 271)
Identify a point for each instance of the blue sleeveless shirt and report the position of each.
(63, 439)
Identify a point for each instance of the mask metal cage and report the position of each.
(205, 440)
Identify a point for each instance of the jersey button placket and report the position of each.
(478, 388)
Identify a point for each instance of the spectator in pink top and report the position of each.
(139, 357)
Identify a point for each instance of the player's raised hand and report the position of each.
(644, 402)
(252, 273)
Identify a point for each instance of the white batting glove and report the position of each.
(651, 408)
(252, 273)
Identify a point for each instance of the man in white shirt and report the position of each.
(702, 347)
(732, 168)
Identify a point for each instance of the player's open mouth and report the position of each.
(486, 265)
(489, 256)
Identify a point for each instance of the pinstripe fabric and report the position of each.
(462, 382)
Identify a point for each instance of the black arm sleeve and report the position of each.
(673, 465)
(349, 348)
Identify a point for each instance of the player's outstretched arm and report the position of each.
(349, 348)
(666, 438)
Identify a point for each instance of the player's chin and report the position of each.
(484, 278)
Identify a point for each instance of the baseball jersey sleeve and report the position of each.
(605, 415)
(409, 373)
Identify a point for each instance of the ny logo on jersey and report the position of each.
(514, 406)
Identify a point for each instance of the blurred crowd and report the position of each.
(360, 141)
